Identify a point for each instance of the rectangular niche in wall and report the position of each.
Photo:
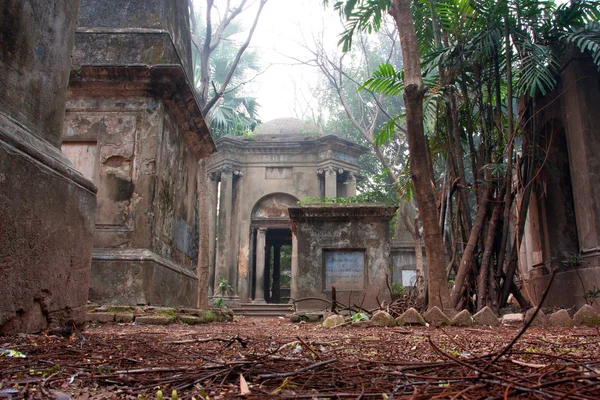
(344, 269)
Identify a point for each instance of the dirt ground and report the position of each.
(273, 358)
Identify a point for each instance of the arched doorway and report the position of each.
(271, 239)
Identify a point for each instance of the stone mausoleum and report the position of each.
(134, 128)
(252, 182)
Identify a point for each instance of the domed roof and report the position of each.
(287, 126)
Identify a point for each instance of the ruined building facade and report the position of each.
(563, 221)
(253, 181)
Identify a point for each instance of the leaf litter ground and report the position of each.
(273, 358)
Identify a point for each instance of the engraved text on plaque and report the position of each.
(344, 269)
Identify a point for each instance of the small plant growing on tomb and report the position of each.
(222, 288)
(398, 290)
(591, 295)
(574, 261)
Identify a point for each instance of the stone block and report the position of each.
(462, 319)
(587, 316)
(513, 320)
(124, 318)
(435, 317)
(189, 319)
(410, 317)
(382, 318)
(155, 320)
(540, 320)
(561, 318)
(102, 317)
(486, 317)
(333, 321)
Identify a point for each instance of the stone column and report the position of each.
(224, 240)
(267, 278)
(259, 290)
(330, 182)
(294, 269)
(212, 188)
(276, 274)
(351, 185)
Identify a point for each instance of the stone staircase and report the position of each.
(262, 310)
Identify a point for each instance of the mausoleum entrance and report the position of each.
(277, 275)
(271, 238)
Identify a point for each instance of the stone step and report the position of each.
(262, 310)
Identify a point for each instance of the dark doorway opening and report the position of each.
(278, 265)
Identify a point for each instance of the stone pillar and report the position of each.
(212, 188)
(259, 290)
(294, 269)
(330, 182)
(224, 241)
(267, 279)
(46, 207)
(351, 185)
(276, 274)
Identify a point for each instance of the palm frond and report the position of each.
(385, 80)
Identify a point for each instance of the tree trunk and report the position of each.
(467, 258)
(417, 146)
(482, 290)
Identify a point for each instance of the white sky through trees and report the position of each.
(285, 86)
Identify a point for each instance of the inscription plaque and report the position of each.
(344, 269)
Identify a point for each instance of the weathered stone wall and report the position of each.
(563, 220)
(348, 228)
(133, 124)
(147, 184)
(138, 32)
(46, 207)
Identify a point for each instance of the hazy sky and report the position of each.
(284, 87)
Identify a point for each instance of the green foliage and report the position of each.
(359, 316)
(591, 295)
(362, 198)
(361, 16)
(222, 289)
(398, 290)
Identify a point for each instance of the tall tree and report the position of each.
(207, 39)
(367, 15)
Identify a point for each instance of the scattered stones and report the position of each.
(102, 317)
(561, 318)
(333, 321)
(382, 318)
(463, 318)
(513, 320)
(410, 317)
(587, 316)
(124, 318)
(435, 317)
(314, 317)
(155, 320)
(295, 318)
(486, 317)
(540, 319)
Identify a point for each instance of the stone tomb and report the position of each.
(133, 126)
(341, 246)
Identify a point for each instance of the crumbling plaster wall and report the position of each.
(147, 199)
